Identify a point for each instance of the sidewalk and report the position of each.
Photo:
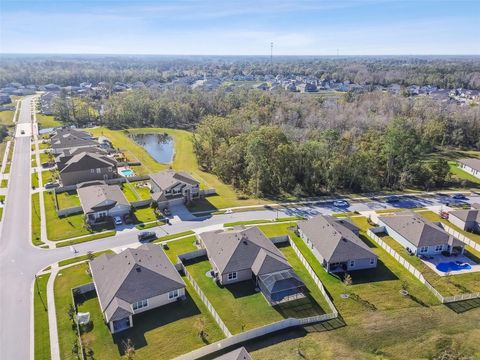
(52, 314)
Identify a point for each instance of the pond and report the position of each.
(159, 146)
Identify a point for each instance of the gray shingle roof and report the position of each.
(101, 197)
(168, 178)
(242, 249)
(238, 354)
(418, 231)
(473, 163)
(86, 161)
(334, 239)
(467, 215)
(133, 275)
(67, 138)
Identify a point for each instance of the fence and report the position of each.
(461, 237)
(416, 273)
(279, 239)
(192, 255)
(69, 211)
(141, 203)
(209, 306)
(208, 192)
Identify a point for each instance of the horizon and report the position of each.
(194, 28)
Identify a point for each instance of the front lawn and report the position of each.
(276, 229)
(67, 199)
(36, 234)
(47, 121)
(181, 246)
(4, 183)
(49, 176)
(35, 180)
(81, 258)
(145, 214)
(40, 313)
(158, 331)
(44, 145)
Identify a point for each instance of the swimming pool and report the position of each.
(453, 266)
(127, 172)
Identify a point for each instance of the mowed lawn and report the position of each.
(36, 223)
(158, 331)
(184, 160)
(180, 246)
(371, 290)
(461, 174)
(40, 311)
(48, 121)
(67, 199)
(6, 118)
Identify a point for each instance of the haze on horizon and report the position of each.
(362, 27)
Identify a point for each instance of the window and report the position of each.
(173, 294)
(424, 249)
(372, 261)
(99, 170)
(438, 248)
(140, 304)
(110, 169)
(92, 171)
(232, 276)
(352, 263)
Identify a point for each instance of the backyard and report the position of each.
(67, 199)
(156, 331)
(136, 191)
(47, 121)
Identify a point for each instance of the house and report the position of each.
(67, 154)
(245, 254)
(336, 244)
(134, 281)
(87, 166)
(471, 166)
(419, 235)
(100, 202)
(466, 219)
(172, 187)
(238, 354)
(69, 138)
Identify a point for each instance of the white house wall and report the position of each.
(159, 300)
(469, 170)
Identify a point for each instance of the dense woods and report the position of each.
(445, 72)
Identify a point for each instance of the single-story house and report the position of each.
(86, 166)
(100, 202)
(172, 187)
(466, 219)
(471, 166)
(419, 235)
(134, 281)
(245, 254)
(66, 138)
(238, 354)
(336, 244)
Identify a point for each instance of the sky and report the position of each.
(230, 27)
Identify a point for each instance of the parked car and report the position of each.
(228, 211)
(22, 132)
(146, 236)
(341, 203)
(117, 220)
(51, 185)
(459, 196)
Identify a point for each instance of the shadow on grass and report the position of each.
(199, 205)
(463, 306)
(367, 241)
(153, 319)
(300, 308)
(380, 273)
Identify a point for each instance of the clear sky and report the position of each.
(230, 27)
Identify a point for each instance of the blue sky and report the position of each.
(230, 27)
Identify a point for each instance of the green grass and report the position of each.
(40, 313)
(276, 229)
(44, 158)
(1, 213)
(44, 145)
(81, 258)
(35, 180)
(36, 223)
(263, 221)
(7, 168)
(185, 160)
(239, 305)
(4, 183)
(461, 174)
(446, 285)
(181, 246)
(87, 238)
(47, 121)
(158, 331)
(128, 192)
(174, 236)
(68, 199)
(6, 118)
(145, 214)
(66, 227)
(149, 225)
(48, 176)
(141, 189)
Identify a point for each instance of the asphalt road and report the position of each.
(20, 261)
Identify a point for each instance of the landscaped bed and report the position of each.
(158, 331)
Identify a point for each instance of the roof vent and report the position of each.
(139, 269)
(245, 242)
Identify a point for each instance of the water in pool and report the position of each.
(159, 146)
(453, 266)
(127, 172)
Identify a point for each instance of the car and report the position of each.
(146, 236)
(459, 196)
(341, 203)
(22, 132)
(392, 199)
(51, 185)
(228, 211)
(117, 220)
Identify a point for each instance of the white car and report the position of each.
(228, 211)
(117, 220)
(341, 203)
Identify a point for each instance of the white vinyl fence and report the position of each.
(461, 237)
(415, 272)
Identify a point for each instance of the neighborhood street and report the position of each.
(20, 260)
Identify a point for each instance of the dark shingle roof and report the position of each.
(238, 354)
(168, 178)
(67, 138)
(334, 239)
(467, 215)
(87, 161)
(241, 249)
(133, 275)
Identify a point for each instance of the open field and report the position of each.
(6, 118)
(184, 160)
(40, 313)
(47, 121)
(156, 331)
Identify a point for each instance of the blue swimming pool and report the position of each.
(453, 266)
(127, 172)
